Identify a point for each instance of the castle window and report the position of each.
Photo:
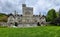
(11, 23)
(27, 13)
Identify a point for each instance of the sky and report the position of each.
(40, 6)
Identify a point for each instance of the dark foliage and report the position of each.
(51, 15)
(56, 21)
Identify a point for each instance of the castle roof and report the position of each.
(10, 14)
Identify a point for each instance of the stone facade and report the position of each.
(26, 19)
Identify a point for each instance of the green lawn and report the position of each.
(45, 31)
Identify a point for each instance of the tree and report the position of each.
(59, 12)
(3, 17)
(51, 15)
(56, 21)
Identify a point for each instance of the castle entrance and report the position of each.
(16, 24)
(38, 24)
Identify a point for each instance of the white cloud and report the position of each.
(45, 5)
(39, 5)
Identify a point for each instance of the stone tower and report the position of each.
(27, 13)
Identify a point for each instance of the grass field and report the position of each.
(45, 31)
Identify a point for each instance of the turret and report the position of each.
(23, 5)
(15, 13)
(40, 14)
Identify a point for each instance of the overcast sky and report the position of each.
(9, 6)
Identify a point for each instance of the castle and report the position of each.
(26, 19)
